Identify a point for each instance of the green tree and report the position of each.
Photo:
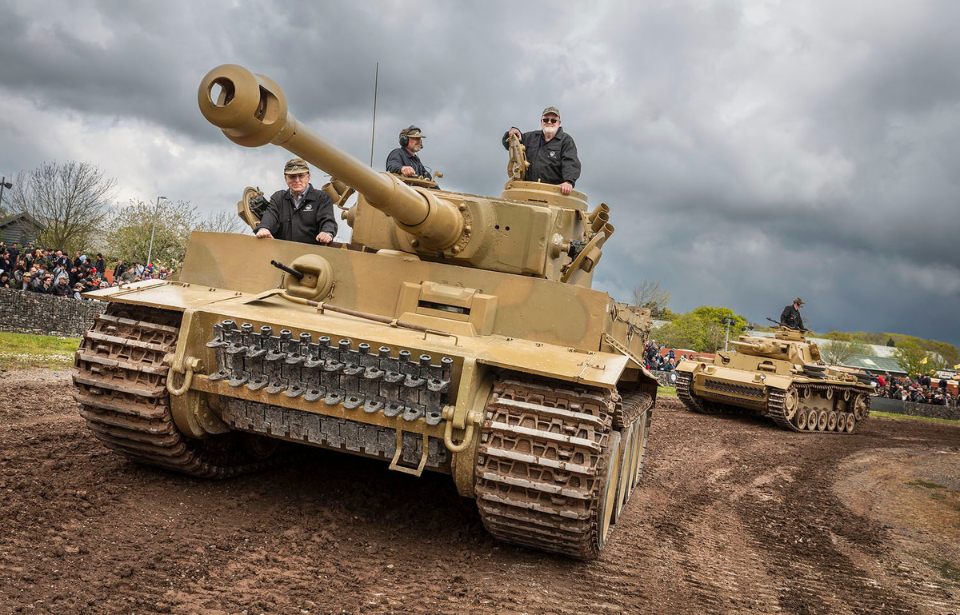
(223, 222)
(702, 329)
(690, 331)
(130, 230)
(859, 347)
(69, 199)
(717, 314)
(911, 357)
(836, 352)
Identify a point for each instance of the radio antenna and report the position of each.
(373, 135)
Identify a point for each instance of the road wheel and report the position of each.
(791, 401)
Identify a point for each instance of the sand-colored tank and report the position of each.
(783, 378)
(455, 333)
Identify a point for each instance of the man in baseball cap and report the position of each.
(300, 213)
(404, 159)
(790, 317)
(551, 152)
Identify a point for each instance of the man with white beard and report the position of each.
(552, 154)
(404, 160)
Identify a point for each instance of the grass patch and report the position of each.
(891, 415)
(667, 391)
(946, 569)
(24, 351)
(923, 483)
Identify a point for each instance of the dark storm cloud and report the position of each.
(750, 153)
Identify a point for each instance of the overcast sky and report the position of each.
(750, 151)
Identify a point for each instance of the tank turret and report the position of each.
(531, 230)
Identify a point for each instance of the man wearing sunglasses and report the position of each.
(404, 160)
(552, 154)
(300, 213)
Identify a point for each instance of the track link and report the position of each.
(548, 468)
(121, 386)
(691, 400)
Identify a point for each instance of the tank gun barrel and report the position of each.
(251, 110)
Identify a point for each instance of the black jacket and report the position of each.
(304, 223)
(400, 158)
(552, 162)
(791, 318)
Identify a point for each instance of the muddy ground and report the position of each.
(732, 515)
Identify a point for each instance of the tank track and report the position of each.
(121, 387)
(548, 465)
(826, 421)
(691, 401)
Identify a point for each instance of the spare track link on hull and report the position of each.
(799, 419)
(690, 400)
(547, 466)
(121, 386)
(333, 372)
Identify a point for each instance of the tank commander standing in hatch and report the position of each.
(404, 160)
(552, 154)
(790, 317)
(300, 213)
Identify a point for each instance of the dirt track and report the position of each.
(732, 515)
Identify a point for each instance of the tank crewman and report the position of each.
(404, 160)
(790, 317)
(300, 213)
(552, 154)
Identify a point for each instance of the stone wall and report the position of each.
(663, 378)
(936, 412)
(23, 312)
(895, 406)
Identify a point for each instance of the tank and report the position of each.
(782, 378)
(455, 333)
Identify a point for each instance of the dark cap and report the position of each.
(798, 300)
(296, 166)
(412, 132)
(552, 110)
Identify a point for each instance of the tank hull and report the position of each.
(794, 401)
(527, 392)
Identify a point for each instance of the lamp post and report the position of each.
(156, 212)
(4, 184)
(728, 321)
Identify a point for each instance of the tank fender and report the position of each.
(781, 383)
(599, 369)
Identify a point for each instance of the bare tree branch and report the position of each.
(648, 294)
(69, 199)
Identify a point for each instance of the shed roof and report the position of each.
(875, 364)
(22, 216)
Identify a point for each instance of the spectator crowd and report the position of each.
(920, 389)
(52, 272)
(662, 359)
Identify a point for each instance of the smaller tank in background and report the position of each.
(783, 378)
